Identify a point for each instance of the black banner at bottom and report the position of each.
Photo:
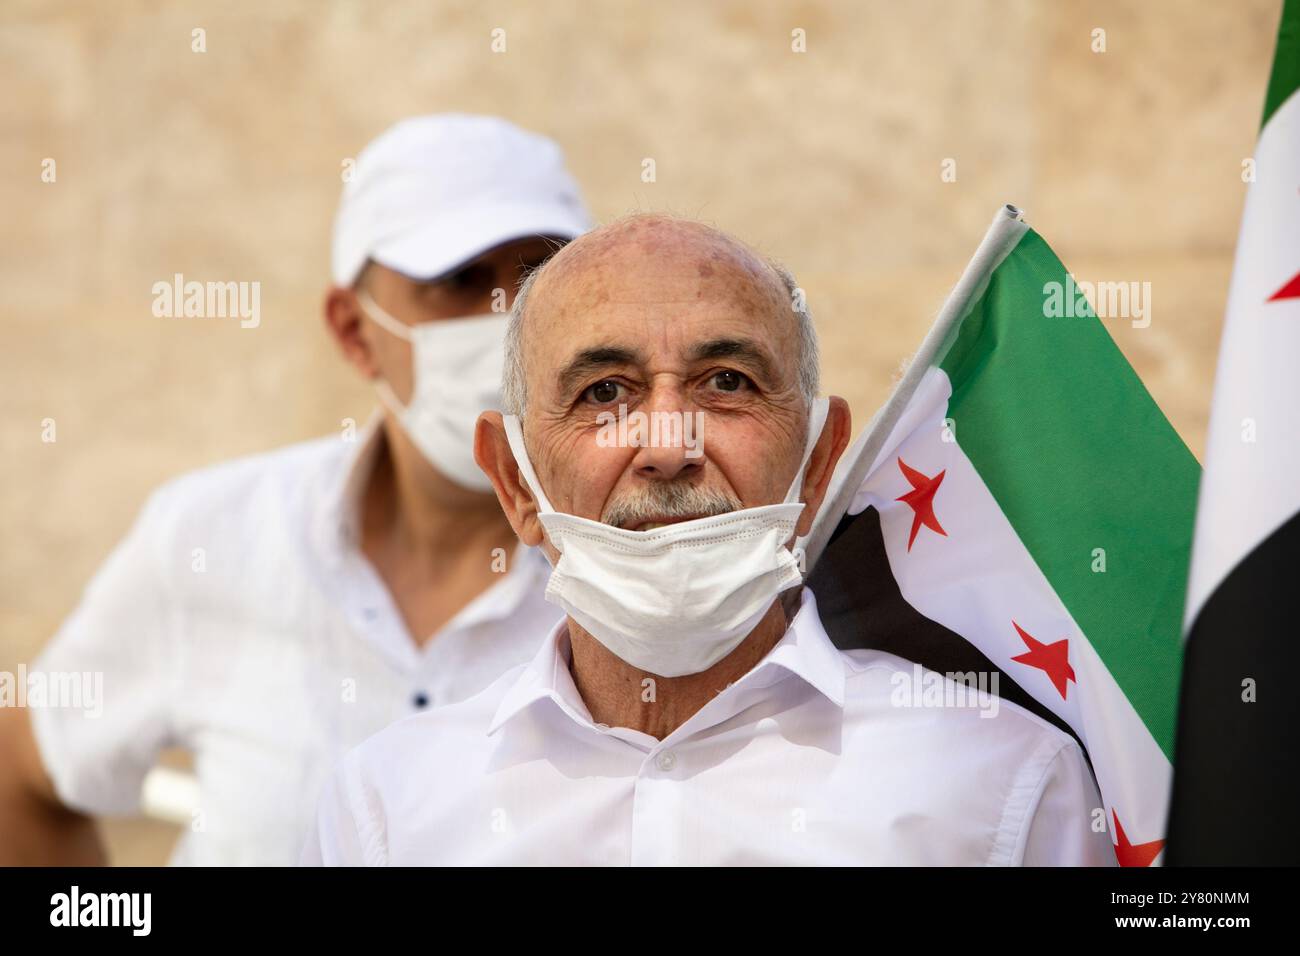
(215, 907)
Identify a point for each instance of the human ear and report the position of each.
(493, 454)
(344, 319)
(825, 456)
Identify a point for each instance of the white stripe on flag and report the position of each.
(979, 577)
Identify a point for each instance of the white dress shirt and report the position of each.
(239, 619)
(804, 760)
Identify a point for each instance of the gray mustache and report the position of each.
(668, 500)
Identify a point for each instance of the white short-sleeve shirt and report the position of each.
(239, 619)
(811, 758)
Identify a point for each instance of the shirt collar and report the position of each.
(545, 676)
(804, 651)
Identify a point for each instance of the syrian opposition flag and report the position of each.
(1020, 506)
(1236, 787)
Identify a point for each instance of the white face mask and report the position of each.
(674, 600)
(457, 365)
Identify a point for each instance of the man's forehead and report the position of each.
(666, 283)
(572, 367)
(660, 333)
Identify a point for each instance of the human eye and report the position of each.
(729, 380)
(470, 277)
(605, 392)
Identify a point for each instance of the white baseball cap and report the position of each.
(433, 192)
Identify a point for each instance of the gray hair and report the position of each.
(514, 387)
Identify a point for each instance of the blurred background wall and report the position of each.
(226, 164)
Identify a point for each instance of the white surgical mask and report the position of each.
(457, 366)
(673, 600)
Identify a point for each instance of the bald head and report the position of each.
(660, 267)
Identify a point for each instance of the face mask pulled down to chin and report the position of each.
(677, 599)
(457, 375)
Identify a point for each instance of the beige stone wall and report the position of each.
(225, 165)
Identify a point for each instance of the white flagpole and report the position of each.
(1005, 231)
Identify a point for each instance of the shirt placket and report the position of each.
(659, 796)
(657, 807)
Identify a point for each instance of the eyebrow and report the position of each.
(745, 349)
(589, 361)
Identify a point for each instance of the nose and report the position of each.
(665, 435)
(665, 463)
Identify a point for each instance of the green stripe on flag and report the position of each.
(1079, 456)
(1286, 61)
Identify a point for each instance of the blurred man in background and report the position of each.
(269, 613)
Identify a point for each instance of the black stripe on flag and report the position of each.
(861, 606)
(1236, 791)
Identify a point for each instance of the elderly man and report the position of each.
(690, 709)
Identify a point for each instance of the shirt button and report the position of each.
(666, 761)
(420, 700)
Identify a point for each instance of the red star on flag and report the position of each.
(1130, 855)
(1053, 659)
(1289, 291)
(921, 500)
